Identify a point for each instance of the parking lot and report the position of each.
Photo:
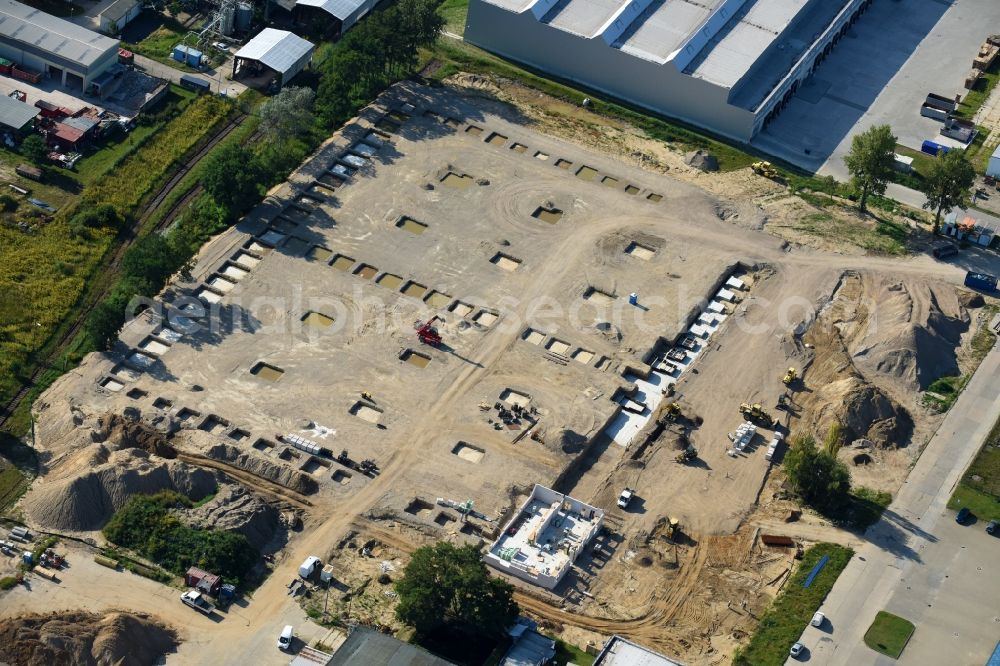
(880, 73)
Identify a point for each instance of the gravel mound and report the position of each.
(292, 479)
(77, 638)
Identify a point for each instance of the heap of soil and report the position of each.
(235, 509)
(699, 159)
(119, 432)
(863, 411)
(77, 638)
(292, 479)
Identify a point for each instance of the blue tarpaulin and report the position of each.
(995, 657)
(816, 569)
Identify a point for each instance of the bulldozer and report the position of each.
(687, 455)
(789, 377)
(765, 169)
(670, 411)
(756, 414)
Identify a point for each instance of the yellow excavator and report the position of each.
(756, 414)
(790, 376)
(670, 411)
(765, 169)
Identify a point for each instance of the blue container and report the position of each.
(980, 281)
(934, 149)
(187, 55)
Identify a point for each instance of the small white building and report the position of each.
(544, 538)
(993, 168)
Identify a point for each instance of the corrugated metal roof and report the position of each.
(278, 49)
(15, 114)
(364, 646)
(23, 24)
(118, 9)
(340, 9)
(621, 652)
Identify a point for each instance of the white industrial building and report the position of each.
(55, 48)
(543, 539)
(620, 651)
(272, 55)
(725, 65)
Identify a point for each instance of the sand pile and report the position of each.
(122, 432)
(71, 638)
(906, 332)
(235, 509)
(103, 481)
(292, 479)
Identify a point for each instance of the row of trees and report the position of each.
(871, 163)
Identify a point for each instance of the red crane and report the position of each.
(427, 333)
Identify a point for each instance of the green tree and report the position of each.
(822, 481)
(288, 114)
(33, 148)
(149, 263)
(445, 584)
(871, 161)
(231, 176)
(104, 322)
(947, 183)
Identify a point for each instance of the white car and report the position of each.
(796, 650)
(625, 497)
(285, 639)
(817, 620)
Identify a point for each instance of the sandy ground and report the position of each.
(209, 386)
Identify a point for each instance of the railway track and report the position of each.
(116, 258)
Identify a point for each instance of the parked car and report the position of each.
(963, 516)
(991, 528)
(285, 639)
(818, 619)
(625, 497)
(796, 650)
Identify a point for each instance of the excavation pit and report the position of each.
(474, 130)
(315, 319)
(411, 225)
(602, 363)
(141, 361)
(123, 372)
(557, 346)
(541, 156)
(533, 336)
(468, 452)
(453, 123)
(168, 335)
(254, 247)
(264, 446)
(496, 139)
(586, 173)
(518, 147)
(654, 197)
(583, 356)
(112, 384)
(389, 281)
(365, 271)
(399, 116)
(550, 215)
(296, 245)
(208, 295)
(246, 259)
(342, 262)
(163, 403)
(341, 477)
(414, 290)
(289, 454)
(640, 251)
(610, 181)
(419, 507)
(563, 164)
(505, 261)
(330, 180)
(153, 346)
(437, 299)
(415, 358)
(221, 284)
(443, 518)
(187, 413)
(319, 253)
(486, 318)
(461, 309)
(316, 466)
(273, 237)
(597, 296)
(238, 435)
(234, 272)
(265, 371)
(136, 394)
(212, 423)
(513, 397)
(284, 225)
(387, 125)
(457, 181)
(631, 189)
(366, 412)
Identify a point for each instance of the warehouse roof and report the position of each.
(278, 49)
(15, 114)
(621, 652)
(365, 646)
(340, 9)
(26, 25)
(582, 17)
(118, 9)
(664, 27)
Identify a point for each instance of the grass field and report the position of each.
(979, 489)
(883, 238)
(782, 624)
(974, 99)
(454, 13)
(889, 634)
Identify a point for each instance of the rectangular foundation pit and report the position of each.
(296, 245)
(140, 361)
(342, 262)
(532, 336)
(414, 289)
(597, 296)
(273, 237)
(631, 189)
(319, 253)
(125, 373)
(341, 477)
(136, 394)
(457, 181)
(557, 346)
(234, 272)
(539, 155)
(654, 197)
(366, 412)
(284, 225)
(453, 123)
(207, 295)
(610, 181)
(474, 130)
(563, 164)
(266, 371)
(264, 446)
(213, 423)
(640, 251)
(466, 451)
(238, 434)
(586, 173)
(389, 281)
(253, 247)
(246, 260)
(316, 466)
(505, 261)
(443, 518)
(512, 397)
(419, 507)
(461, 309)
(186, 414)
(437, 299)
(496, 139)
(415, 358)
(288, 453)
(163, 403)
(411, 225)
(221, 284)
(581, 355)
(550, 215)
(366, 271)
(315, 319)
(387, 125)
(151, 345)
(518, 147)
(486, 318)
(112, 384)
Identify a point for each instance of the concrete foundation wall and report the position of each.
(590, 62)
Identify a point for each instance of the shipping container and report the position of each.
(196, 84)
(187, 55)
(934, 149)
(980, 281)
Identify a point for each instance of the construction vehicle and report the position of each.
(765, 169)
(366, 467)
(625, 498)
(756, 414)
(687, 455)
(197, 601)
(789, 377)
(427, 333)
(671, 411)
(672, 529)
(783, 402)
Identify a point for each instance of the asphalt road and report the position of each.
(918, 563)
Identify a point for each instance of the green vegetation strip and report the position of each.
(979, 489)
(889, 634)
(783, 623)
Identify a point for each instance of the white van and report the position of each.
(285, 639)
(309, 567)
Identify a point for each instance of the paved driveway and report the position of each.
(918, 563)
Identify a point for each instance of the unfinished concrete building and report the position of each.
(726, 65)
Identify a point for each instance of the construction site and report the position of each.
(451, 302)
